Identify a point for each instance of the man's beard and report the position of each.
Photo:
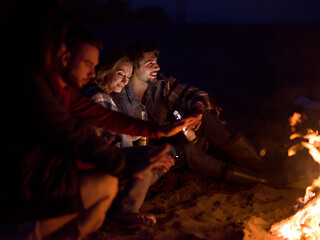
(151, 81)
(75, 82)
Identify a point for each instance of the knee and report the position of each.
(109, 185)
(107, 188)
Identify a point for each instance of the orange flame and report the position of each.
(294, 120)
(305, 224)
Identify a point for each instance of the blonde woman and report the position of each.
(112, 76)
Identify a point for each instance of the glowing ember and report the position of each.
(305, 224)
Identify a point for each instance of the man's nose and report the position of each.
(156, 67)
(92, 73)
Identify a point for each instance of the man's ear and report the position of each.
(65, 58)
(63, 55)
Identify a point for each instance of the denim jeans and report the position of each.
(204, 163)
(194, 155)
(216, 133)
(213, 130)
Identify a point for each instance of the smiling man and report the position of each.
(148, 68)
(161, 96)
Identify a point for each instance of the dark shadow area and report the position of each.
(113, 13)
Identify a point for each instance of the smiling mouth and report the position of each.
(154, 74)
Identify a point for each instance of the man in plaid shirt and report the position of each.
(161, 96)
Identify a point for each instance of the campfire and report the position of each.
(305, 223)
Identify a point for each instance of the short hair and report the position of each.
(109, 63)
(136, 49)
(77, 35)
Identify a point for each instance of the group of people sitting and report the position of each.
(73, 128)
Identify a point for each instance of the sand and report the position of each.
(209, 211)
(203, 208)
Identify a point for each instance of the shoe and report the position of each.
(243, 177)
(137, 219)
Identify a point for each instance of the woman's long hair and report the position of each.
(108, 64)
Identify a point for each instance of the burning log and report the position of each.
(305, 224)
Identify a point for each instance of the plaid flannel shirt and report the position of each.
(162, 98)
(99, 95)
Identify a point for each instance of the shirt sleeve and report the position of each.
(89, 111)
(187, 98)
(72, 136)
(95, 93)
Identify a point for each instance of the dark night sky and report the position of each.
(230, 11)
(240, 11)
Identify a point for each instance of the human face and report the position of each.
(119, 77)
(81, 65)
(148, 68)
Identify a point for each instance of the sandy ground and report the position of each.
(203, 208)
(210, 211)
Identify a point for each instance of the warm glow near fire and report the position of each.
(305, 224)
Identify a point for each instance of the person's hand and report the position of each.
(158, 159)
(196, 125)
(175, 127)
